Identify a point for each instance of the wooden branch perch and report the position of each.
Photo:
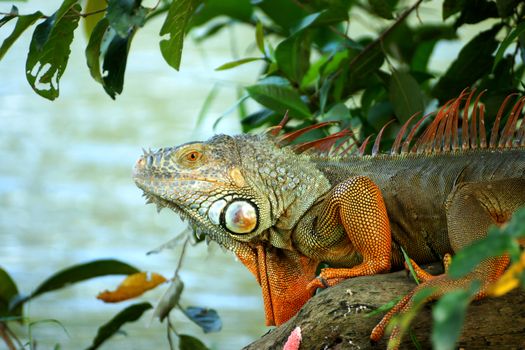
(337, 318)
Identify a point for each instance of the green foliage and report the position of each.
(8, 290)
(175, 25)
(448, 316)
(405, 95)
(187, 342)
(449, 312)
(82, 272)
(278, 95)
(22, 23)
(11, 303)
(124, 15)
(129, 314)
(322, 64)
(49, 49)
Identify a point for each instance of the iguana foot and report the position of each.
(332, 276)
(487, 272)
(321, 282)
(423, 275)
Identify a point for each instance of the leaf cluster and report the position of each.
(12, 302)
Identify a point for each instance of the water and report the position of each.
(66, 194)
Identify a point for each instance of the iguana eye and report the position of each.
(190, 157)
(193, 156)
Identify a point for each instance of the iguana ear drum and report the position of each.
(240, 217)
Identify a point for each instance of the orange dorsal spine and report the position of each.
(445, 133)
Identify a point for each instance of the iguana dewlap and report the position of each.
(285, 209)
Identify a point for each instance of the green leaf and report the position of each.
(129, 314)
(9, 16)
(313, 73)
(284, 13)
(49, 49)
(239, 62)
(8, 290)
(339, 112)
(200, 118)
(422, 55)
(293, 55)
(279, 97)
(384, 308)
(451, 7)
(323, 94)
(257, 119)
(259, 37)
(325, 17)
(383, 8)
(187, 342)
(169, 300)
(237, 9)
(448, 316)
(93, 49)
(362, 67)
(207, 319)
(473, 61)
(379, 114)
(506, 42)
(514, 228)
(79, 273)
(115, 59)
(175, 24)
(409, 264)
(124, 15)
(506, 7)
(22, 23)
(405, 95)
(475, 11)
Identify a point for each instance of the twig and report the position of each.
(14, 337)
(383, 35)
(83, 15)
(5, 336)
(169, 329)
(179, 263)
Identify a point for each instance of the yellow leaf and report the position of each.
(133, 286)
(93, 6)
(509, 280)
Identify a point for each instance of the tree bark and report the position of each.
(337, 318)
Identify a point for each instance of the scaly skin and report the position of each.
(282, 213)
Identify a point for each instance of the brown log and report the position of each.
(337, 318)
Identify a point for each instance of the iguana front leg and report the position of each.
(471, 209)
(357, 205)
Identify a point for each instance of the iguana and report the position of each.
(283, 209)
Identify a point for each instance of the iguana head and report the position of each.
(246, 193)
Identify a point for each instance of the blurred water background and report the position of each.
(66, 194)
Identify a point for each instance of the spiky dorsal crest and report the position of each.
(443, 134)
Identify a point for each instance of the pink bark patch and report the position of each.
(294, 340)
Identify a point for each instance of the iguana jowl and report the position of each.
(284, 209)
